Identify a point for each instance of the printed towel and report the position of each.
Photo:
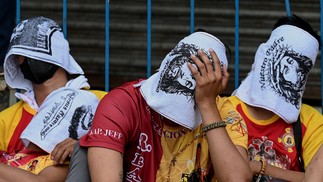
(38, 38)
(66, 113)
(170, 91)
(279, 73)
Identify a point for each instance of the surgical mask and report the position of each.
(37, 71)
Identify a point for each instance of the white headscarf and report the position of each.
(170, 91)
(39, 38)
(279, 73)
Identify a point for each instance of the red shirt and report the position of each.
(123, 123)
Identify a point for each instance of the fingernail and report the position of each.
(211, 50)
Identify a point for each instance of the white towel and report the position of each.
(279, 73)
(170, 91)
(29, 96)
(65, 113)
(42, 39)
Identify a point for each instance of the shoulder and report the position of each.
(228, 109)
(228, 104)
(308, 111)
(307, 108)
(310, 115)
(126, 96)
(99, 93)
(18, 106)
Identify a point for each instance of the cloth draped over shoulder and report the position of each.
(65, 113)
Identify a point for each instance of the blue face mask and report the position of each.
(37, 71)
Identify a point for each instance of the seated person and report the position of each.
(268, 104)
(39, 64)
(166, 127)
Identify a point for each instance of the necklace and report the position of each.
(174, 141)
(173, 137)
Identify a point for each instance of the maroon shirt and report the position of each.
(123, 123)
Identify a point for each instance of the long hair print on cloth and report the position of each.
(83, 115)
(80, 117)
(176, 78)
(285, 71)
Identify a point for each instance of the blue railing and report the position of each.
(237, 41)
(321, 28)
(65, 18)
(107, 43)
(148, 38)
(192, 9)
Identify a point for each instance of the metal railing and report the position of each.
(149, 41)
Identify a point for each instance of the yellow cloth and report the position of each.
(311, 120)
(191, 150)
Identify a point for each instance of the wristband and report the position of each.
(214, 125)
(262, 170)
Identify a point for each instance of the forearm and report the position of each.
(314, 169)
(223, 152)
(277, 173)
(49, 174)
(9, 173)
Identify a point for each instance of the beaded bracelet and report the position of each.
(213, 125)
(262, 170)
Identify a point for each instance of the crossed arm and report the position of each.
(49, 174)
(56, 173)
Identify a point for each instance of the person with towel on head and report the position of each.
(268, 103)
(166, 127)
(56, 107)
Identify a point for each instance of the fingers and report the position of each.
(208, 70)
(225, 76)
(206, 66)
(216, 62)
(63, 150)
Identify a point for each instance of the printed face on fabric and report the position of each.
(285, 71)
(176, 78)
(174, 82)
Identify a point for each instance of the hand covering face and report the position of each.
(170, 91)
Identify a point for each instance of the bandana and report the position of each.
(279, 73)
(42, 39)
(66, 113)
(170, 91)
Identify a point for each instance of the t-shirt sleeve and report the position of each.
(113, 123)
(236, 126)
(312, 124)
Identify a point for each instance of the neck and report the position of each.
(259, 113)
(168, 122)
(41, 91)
